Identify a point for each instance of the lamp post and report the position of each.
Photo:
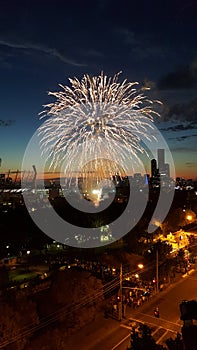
(158, 224)
(157, 271)
(121, 303)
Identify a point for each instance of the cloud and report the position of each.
(182, 138)
(142, 46)
(180, 127)
(50, 51)
(4, 123)
(177, 132)
(181, 112)
(185, 137)
(183, 149)
(92, 53)
(182, 78)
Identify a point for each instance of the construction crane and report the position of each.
(16, 176)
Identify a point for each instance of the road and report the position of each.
(108, 334)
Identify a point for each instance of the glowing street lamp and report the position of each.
(189, 217)
(141, 266)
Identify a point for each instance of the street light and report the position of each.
(141, 266)
(189, 217)
(121, 304)
(157, 270)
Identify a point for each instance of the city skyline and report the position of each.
(158, 169)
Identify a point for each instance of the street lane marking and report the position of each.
(162, 336)
(156, 330)
(125, 326)
(130, 328)
(179, 322)
(153, 324)
(120, 342)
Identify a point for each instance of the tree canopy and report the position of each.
(142, 339)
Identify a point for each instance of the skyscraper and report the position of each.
(153, 168)
(161, 159)
(163, 168)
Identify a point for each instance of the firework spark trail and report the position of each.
(94, 133)
(97, 117)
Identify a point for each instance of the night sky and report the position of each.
(43, 43)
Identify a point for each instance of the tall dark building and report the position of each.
(153, 168)
(161, 159)
(164, 168)
(155, 176)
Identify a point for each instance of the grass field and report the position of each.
(21, 275)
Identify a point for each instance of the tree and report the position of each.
(75, 297)
(175, 344)
(17, 318)
(177, 218)
(142, 339)
(167, 269)
(162, 248)
(49, 340)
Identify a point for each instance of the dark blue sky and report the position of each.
(43, 43)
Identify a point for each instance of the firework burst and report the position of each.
(95, 125)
